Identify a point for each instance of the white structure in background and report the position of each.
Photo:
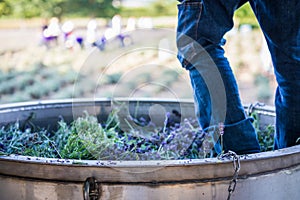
(145, 22)
(164, 48)
(131, 24)
(245, 28)
(265, 56)
(91, 32)
(116, 24)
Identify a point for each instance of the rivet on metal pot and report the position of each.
(91, 189)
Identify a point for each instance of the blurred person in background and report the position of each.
(91, 32)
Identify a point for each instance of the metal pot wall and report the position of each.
(268, 175)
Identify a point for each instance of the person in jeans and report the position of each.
(201, 27)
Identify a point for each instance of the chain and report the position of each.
(237, 167)
(221, 132)
(253, 107)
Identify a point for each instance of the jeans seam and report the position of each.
(198, 21)
(200, 6)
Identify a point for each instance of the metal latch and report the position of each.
(91, 189)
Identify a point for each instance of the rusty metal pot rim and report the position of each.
(79, 101)
(139, 171)
(159, 171)
(290, 151)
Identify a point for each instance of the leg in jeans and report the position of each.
(201, 27)
(280, 22)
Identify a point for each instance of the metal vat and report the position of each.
(269, 175)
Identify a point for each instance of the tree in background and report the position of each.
(166, 7)
(5, 8)
(88, 8)
(34, 8)
(57, 8)
(100, 8)
(245, 15)
(152, 9)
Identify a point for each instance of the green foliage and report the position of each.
(113, 78)
(265, 135)
(100, 8)
(157, 8)
(136, 12)
(82, 8)
(163, 8)
(27, 142)
(36, 8)
(5, 8)
(87, 8)
(86, 138)
(169, 77)
(245, 15)
(58, 8)
(262, 83)
(39, 82)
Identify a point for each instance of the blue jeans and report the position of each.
(201, 27)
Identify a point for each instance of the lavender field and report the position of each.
(145, 67)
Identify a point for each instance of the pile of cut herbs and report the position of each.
(85, 138)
